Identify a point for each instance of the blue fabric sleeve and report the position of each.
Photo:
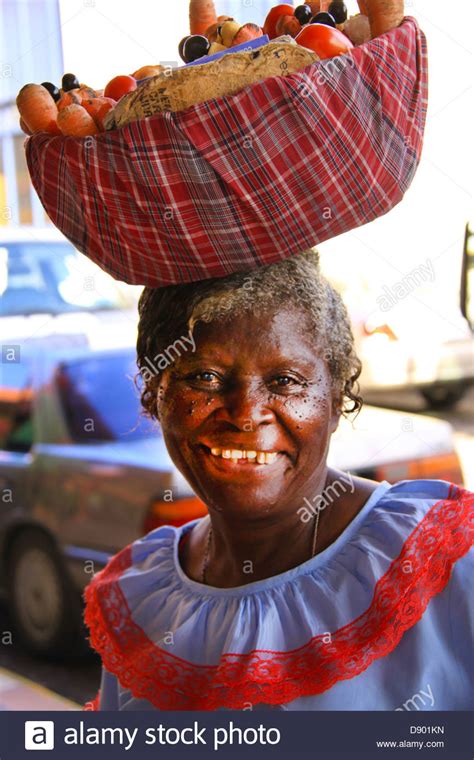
(461, 615)
(108, 691)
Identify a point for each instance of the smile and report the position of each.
(233, 458)
(254, 457)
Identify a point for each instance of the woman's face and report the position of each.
(256, 383)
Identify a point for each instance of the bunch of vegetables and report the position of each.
(313, 28)
(375, 18)
(222, 34)
(74, 109)
(322, 26)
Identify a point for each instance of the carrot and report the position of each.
(76, 122)
(98, 108)
(384, 15)
(76, 96)
(85, 92)
(68, 98)
(37, 108)
(202, 14)
(357, 28)
(363, 7)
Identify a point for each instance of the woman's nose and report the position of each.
(245, 406)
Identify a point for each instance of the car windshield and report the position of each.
(100, 400)
(42, 277)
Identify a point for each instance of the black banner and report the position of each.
(229, 734)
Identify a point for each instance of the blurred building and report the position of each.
(30, 49)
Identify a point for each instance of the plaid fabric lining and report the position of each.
(245, 180)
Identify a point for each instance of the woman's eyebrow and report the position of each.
(307, 361)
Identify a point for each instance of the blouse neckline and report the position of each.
(264, 584)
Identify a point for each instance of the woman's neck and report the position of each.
(252, 550)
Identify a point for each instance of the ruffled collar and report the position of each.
(181, 645)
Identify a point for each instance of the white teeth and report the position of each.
(262, 457)
(270, 457)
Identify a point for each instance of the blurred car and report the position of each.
(48, 290)
(398, 353)
(83, 474)
(401, 343)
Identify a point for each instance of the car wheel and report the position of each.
(443, 396)
(45, 606)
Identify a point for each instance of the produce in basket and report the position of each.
(357, 29)
(77, 111)
(38, 110)
(202, 14)
(316, 27)
(226, 76)
(244, 180)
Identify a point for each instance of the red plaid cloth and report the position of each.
(245, 180)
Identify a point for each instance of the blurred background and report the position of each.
(81, 474)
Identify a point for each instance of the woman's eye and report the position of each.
(206, 377)
(284, 381)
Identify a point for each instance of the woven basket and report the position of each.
(243, 180)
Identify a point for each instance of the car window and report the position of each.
(16, 421)
(100, 400)
(55, 278)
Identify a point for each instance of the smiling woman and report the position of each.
(264, 603)
(248, 419)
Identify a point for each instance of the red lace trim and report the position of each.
(401, 596)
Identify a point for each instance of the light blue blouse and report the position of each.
(380, 620)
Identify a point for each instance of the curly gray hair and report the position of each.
(165, 313)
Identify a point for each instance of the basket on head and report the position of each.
(247, 179)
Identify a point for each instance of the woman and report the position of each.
(304, 587)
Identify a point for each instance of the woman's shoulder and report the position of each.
(420, 497)
(412, 515)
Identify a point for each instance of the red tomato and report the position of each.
(269, 26)
(324, 40)
(119, 86)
